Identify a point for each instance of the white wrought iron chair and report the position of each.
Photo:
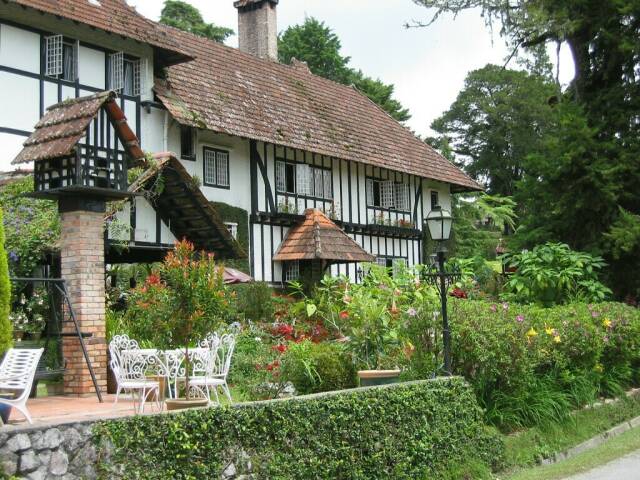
(129, 365)
(16, 376)
(221, 353)
(201, 360)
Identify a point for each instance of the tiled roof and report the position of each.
(182, 205)
(113, 16)
(318, 238)
(228, 91)
(65, 123)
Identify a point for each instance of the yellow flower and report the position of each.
(557, 339)
(531, 332)
(548, 330)
(598, 368)
(606, 323)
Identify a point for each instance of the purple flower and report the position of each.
(412, 312)
(13, 256)
(520, 319)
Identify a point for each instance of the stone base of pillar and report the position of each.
(83, 269)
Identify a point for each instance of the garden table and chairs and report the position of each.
(148, 373)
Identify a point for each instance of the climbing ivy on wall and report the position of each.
(237, 215)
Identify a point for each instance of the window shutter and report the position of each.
(116, 66)
(53, 47)
(402, 196)
(139, 76)
(326, 174)
(304, 184)
(281, 177)
(386, 193)
(222, 168)
(369, 191)
(209, 167)
(318, 178)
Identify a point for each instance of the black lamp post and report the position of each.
(439, 222)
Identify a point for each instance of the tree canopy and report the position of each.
(580, 184)
(184, 16)
(318, 45)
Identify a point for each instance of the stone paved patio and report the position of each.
(60, 409)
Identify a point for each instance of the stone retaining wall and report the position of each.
(48, 452)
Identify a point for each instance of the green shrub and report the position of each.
(255, 301)
(5, 296)
(317, 367)
(406, 431)
(552, 274)
(530, 365)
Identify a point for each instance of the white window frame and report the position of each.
(54, 45)
(291, 271)
(233, 229)
(116, 71)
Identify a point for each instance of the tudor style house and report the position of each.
(270, 141)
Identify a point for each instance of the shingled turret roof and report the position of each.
(229, 91)
(318, 238)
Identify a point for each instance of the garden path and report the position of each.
(624, 468)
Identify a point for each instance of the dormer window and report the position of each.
(127, 74)
(61, 58)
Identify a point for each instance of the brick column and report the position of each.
(82, 266)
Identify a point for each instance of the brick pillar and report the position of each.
(82, 266)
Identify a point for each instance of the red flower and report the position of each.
(280, 348)
(458, 293)
(344, 315)
(284, 329)
(153, 279)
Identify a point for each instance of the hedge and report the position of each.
(5, 296)
(406, 431)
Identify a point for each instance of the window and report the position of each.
(303, 179)
(233, 229)
(61, 58)
(396, 264)
(291, 271)
(216, 167)
(388, 194)
(435, 201)
(126, 74)
(187, 143)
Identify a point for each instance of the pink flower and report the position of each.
(505, 306)
(594, 314)
(493, 308)
(412, 312)
(520, 319)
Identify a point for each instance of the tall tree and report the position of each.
(184, 16)
(316, 44)
(597, 183)
(496, 121)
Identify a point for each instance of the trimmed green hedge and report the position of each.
(406, 431)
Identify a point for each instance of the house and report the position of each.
(264, 140)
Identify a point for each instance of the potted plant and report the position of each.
(177, 306)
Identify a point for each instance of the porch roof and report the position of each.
(65, 123)
(184, 208)
(318, 238)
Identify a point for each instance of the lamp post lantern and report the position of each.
(439, 222)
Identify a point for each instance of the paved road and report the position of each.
(624, 468)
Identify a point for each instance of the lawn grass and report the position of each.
(529, 447)
(612, 449)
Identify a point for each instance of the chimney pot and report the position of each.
(257, 27)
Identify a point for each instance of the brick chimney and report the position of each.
(257, 27)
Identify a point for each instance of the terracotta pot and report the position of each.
(370, 378)
(183, 403)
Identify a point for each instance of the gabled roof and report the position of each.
(113, 16)
(65, 123)
(184, 208)
(318, 238)
(229, 91)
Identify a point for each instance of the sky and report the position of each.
(427, 65)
